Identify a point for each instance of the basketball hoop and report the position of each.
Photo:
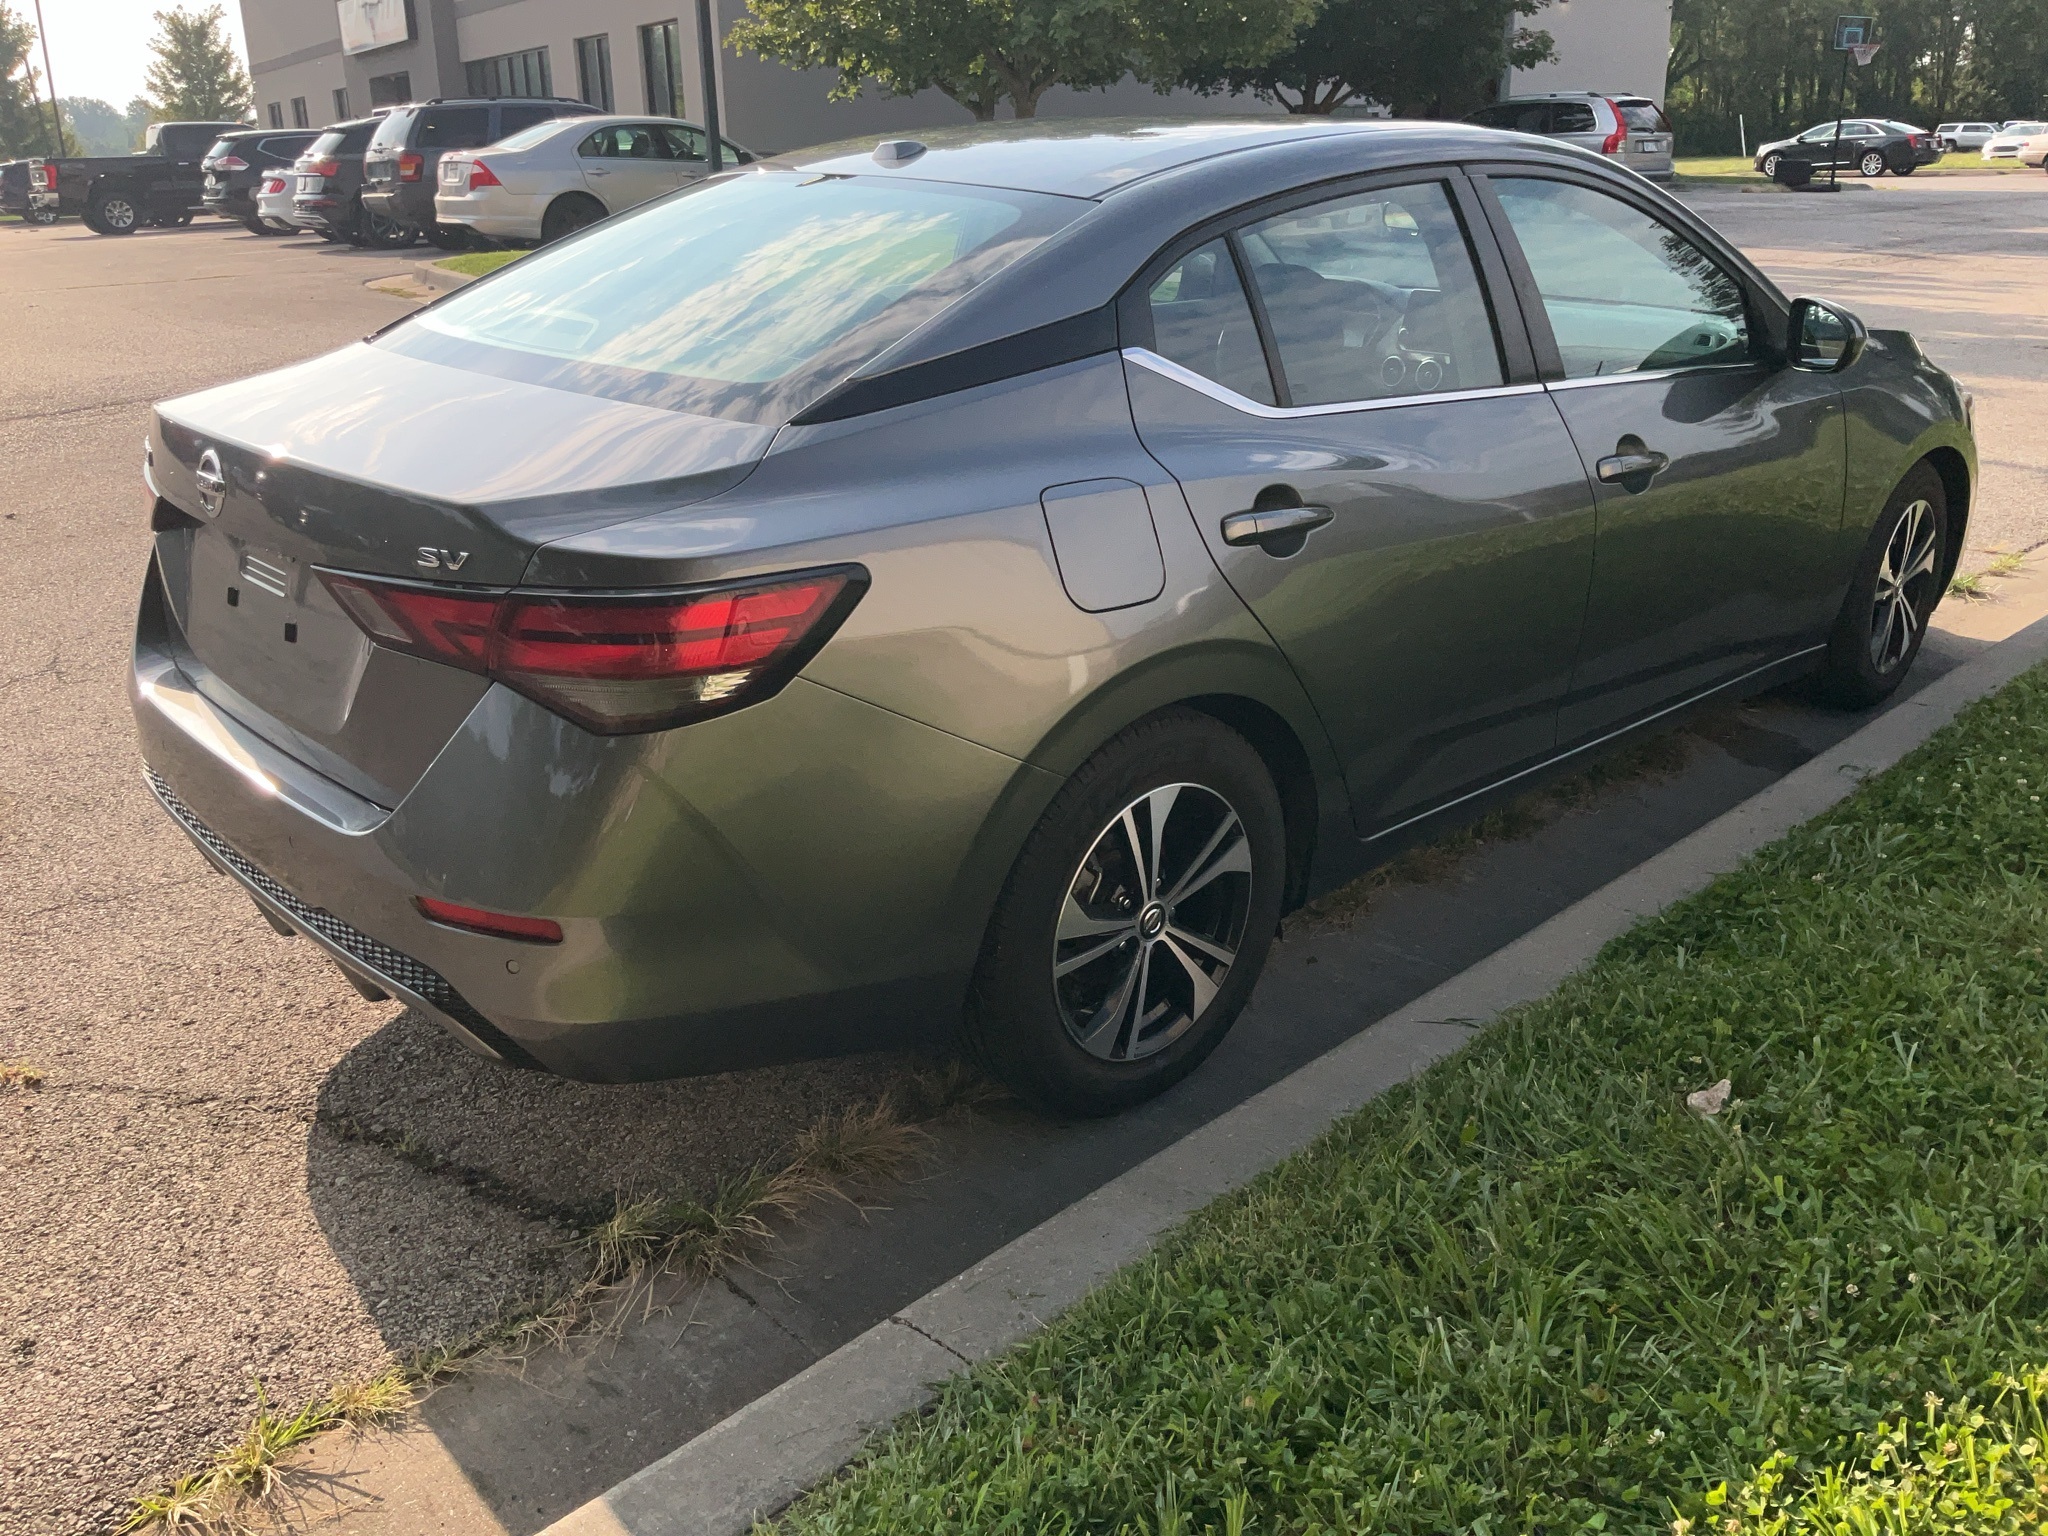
(1863, 53)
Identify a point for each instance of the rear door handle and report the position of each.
(1274, 525)
(1619, 467)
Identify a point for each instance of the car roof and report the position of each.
(1093, 158)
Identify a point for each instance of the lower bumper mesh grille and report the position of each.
(402, 969)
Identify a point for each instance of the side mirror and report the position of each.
(1821, 338)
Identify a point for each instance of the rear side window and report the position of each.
(1624, 293)
(626, 141)
(453, 128)
(1373, 296)
(746, 298)
(1573, 117)
(513, 119)
(1202, 320)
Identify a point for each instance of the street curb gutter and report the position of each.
(768, 1453)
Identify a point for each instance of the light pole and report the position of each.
(50, 80)
(707, 65)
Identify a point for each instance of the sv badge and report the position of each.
(431, 559)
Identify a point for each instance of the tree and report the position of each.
(96, 127)
(1422, 58)
(195, 76)
(982, 52)
(24, 124)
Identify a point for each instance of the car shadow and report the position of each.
(453, 1189)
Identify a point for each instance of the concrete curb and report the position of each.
(759, 1459)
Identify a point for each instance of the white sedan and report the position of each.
(2005, 144)
(551, 179)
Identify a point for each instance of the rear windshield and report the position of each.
(538, 133)
(747, 297)
(391, 129)
(325, 145)
(1644, 116)
(220, 147)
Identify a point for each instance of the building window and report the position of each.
(276, 110)
(341, 105)
(300, 117)
(511, 74)
(594, 71)
(661, 56)
(390, 90)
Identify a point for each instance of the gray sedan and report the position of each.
(978, 586)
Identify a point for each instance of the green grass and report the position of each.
(1739, 168)
(477, 263)
(1533, 1293)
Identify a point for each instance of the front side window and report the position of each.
(684, 143)
(746, 298)
(1202, 320)
(1624, 293)
(1373, 296)
(1816, 135)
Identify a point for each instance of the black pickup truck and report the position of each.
(119, 194)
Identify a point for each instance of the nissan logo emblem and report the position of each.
(213, 484)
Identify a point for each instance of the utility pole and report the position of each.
(707, 66)
(49, 79)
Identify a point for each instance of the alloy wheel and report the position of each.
(1152, 921)
(1770, 167)
(1873, 164)
(118, 213)
(1905, 577)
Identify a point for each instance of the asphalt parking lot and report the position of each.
(235, 1171)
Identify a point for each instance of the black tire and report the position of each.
(567, 214)
(113, 213)
(449, 237)
(256, 226)
(1083, 870)
(1872, 164)
(1769, 167)
(1905, 168)
(1883, 618)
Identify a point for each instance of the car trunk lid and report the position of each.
(373, 462)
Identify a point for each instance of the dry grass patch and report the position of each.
(19, 1074)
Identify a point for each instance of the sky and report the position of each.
(101, 47)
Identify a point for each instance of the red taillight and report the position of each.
(481, 175)
(1614, 141)
(499, 925)
(615, 662)
(231, 163)
(322, 168)
(410, 165)
(273, 184)
(44, 177)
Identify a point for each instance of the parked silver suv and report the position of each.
(1632, 129)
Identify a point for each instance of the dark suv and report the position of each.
(235, 167)
(328, 187)
(402, 166)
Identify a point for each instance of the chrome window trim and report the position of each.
(1166, 368)
(1655, 373)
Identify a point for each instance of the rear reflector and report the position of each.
(499, 925)
(615, 662)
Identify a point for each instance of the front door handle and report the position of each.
(1275, 528)
(1620, 468)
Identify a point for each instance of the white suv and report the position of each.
(1953, 136)
(1632, 129)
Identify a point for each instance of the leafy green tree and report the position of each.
(983, 52)
(24, 123)
(96, 127)
(1422, 58)
(194, 75)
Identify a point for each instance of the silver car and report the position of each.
(554, 178)
(980, 585)
(1633, 130)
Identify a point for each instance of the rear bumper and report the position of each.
(408, 202)
(499, 214)
(809, 876)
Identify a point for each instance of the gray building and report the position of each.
(317, 61)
